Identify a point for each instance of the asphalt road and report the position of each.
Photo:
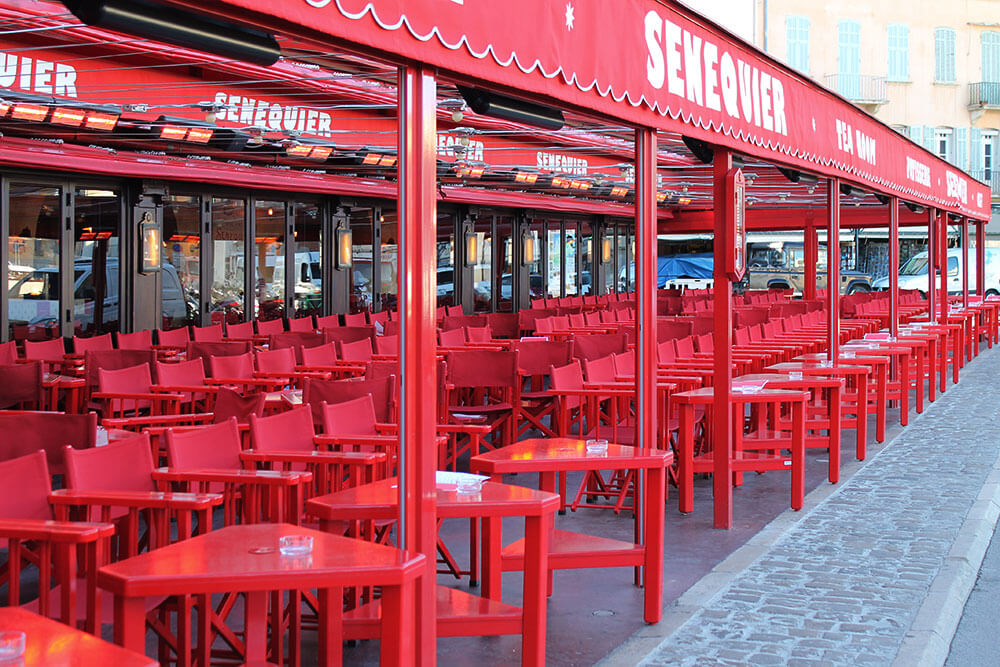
(977, 639)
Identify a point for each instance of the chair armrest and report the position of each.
(259, 477)
(152, 396)
(158, 421)
(136, 499)
(184, 389)
(68, 532)
(315, 456)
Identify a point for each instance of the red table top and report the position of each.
(815, 368)
(49, 642)
(782, 381)
(379, 500)
(246, 558)
(546, 454)
(765, 395)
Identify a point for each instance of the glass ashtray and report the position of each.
(795, 375)
(470, 485)
(597, 447)
(295, 545)
(11, 644)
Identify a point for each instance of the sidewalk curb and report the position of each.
(928, 641)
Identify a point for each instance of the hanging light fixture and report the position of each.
(345, 248)
(471, 245)
(606, 247)
(527, 247)
(488, 103)
(150, 237)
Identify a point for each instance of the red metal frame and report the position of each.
(894, 266)
(811, 250)
(980, 258)
(833, 265)
(722, 487)
(965, 262)
(932, 260)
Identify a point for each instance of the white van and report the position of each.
(913, 274)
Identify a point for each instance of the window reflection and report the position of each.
(308, 260)
(389, 262)
(181, 265)
(571, 250)
(96, 220)
(505, 264)
(586, 259)
(445, 260)
(482, 265)
(362, 296)
(269, 260)
(555, 248)
(33, 264)
(228, 260)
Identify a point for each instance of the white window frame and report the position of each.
(944, 143)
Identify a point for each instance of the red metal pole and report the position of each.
(833, 264)
(932, 261)
(417, 340)
(894, 265)
(965, 262)
(811, 251)
(645, 348)
(981, 258)
(942, 249)
(722, 422)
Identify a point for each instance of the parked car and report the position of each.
(913, 273)
(781, 265)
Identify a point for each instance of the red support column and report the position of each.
(722, 421)
(981, 258)
(811, 251)
(894, 265)
(932, 260)
(645, 347)
(965, 262)
(942, 248)
(833, 264)
(417, 301)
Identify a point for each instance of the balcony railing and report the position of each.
(989, 176)
(984, 94)
(859, 88)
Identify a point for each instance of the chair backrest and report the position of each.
(8, 353)
(297, 340)
(83, 343)
(482, 368)
(301, 324)
(387, 345)
(460, 321)
(21, 384)
(599, 370)
(124, 465)
(140, 340)
(132, 380)
(382, 368)
(479, 334)
(705, 343)
(624, 364)
(355, 319)
(221, 348)
(53, 349)
(230, 404)
(569, 376)
(684, 347)
(577, 320)
(241, 330)
(209, 334)
(357, 350)
(595, 346)
(181, 374)
(504, 325)
(291, 430)
(281, 360)
(216, 446)
(452, 338)
(355, 417)
(179, 337)
(26, 486)
(238, 366)
(350, 334)
(536, 357)
(321, 355)
(111, 360)
(269, 327)
(666, 352)
(25, 432)
(382, 390)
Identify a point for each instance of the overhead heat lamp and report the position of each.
(174, 26)
(488, 103)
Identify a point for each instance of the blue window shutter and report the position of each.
(797, 42)
(944, 55)
(976, 152)
(990, 45)
(916, 133)
(849, 59)
(929, 139)
(899, 52)
(962, 148)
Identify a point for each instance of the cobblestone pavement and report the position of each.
(853, 580)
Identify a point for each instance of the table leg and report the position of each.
(921, 368)
(932, 360)
(255, 625)
(331, 626)
(203, 655)
(130, 623)
(862, 425)
(492, 531)
(398, 625)
(798, 454)
(904, 390)
(881, 401)
(536, 567)
(653, 569)
(834, 453)
(685, 474)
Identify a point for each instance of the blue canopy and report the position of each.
(695, 265)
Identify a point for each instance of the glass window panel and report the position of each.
(361, 259)
(554, 286)
(96, 221)
(482, 265)
(505, 275)
(389, 257)
(308, 260)
(269, 260)
(228, 259)
(610, 271)
(586, 259)
(445, 260)
(181, 263)
(571, 250)
(33, 265)
(622, 260)
(536, 287)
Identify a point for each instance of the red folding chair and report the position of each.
(140, 340)
(26, 432)
(21, 386)
(8, 353)
(130, 391)
(535, 358)
(481, 387)
(210, 334)
(83, 343)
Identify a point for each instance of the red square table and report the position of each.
(49, 642)
(460, 614)
(758, 458)
(549, 456)
(880, 370)
(245, 559)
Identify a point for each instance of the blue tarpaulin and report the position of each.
(695, 265)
